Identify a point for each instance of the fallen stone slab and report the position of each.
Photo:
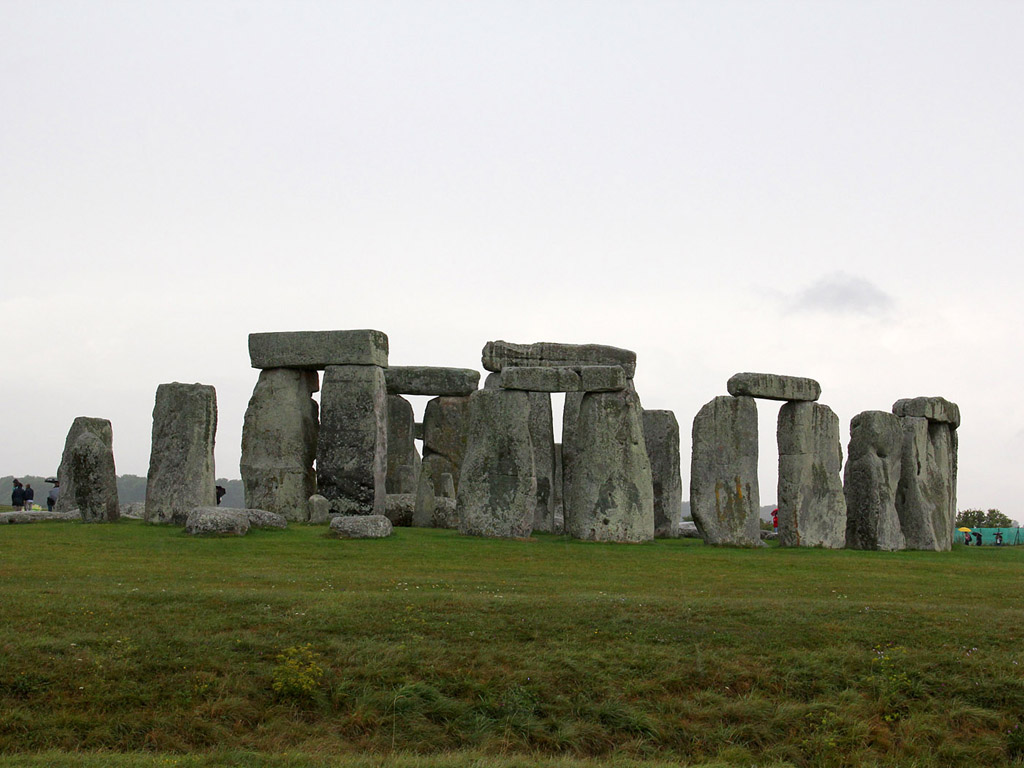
(262, 518)
(431, 380)
(932, 408)
(315, 350)
(134, 510)
(39, 517)
(214, 521)
(361, 527)
(770, 386)
(498, 355)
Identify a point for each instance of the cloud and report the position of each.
(840, 293)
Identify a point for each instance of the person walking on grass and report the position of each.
(977, 538)
(51, 497)
(17, 495)
(30, 497)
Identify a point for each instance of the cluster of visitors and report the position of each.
(977, 537)
(22, 496)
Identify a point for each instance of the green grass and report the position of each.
(130, 644)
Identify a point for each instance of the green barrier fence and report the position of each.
(1011, 536)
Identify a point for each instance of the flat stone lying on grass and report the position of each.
(261, 518)
(38, 517)
(212, 521)
(317, 349)
(498, 355)
(134, 510)
(688, 530)
(431, 380)
(361, 527)
(772, 386)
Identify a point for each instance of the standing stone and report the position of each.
(94, 479)
(497, 492)
(181, 472)
(408, 478)
(279, 439)
(426, 504)
(319, 509)
(99, 427)
(401, 443)
(447, 486)
(542, 438)
(812, 507)
(612, 493)
(570, 418)
(926, 494)
(872, 475)
(724, 495)
(352, 454)
(557, 495)
(445, 426)
(661, 436)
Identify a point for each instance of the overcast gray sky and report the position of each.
(825, 189)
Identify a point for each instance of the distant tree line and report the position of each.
(129, 488)
(976, 518)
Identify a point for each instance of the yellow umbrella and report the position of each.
(965, 530)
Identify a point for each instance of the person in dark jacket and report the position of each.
(51, 497)
(30, 497)
(977, 537)
(17, 495)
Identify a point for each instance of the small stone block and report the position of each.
(432, 381)
(213, 521)
(538, 379)
(771, 386)
(315, 350)
(932, 408)
(361, 527)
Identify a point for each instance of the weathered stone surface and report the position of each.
(445, 426)
(319, 509)
(932, 408)
(402, 451)
(497, 491)
(872, 475)
(688, 530)
(493, 381)
(279, 441)
(542, 438)
(433, 381)
(446, 513)
(134, 510)
(181, 471)
(426, 503)
(262, 518)
(661, 436)
(314, 350)
(602, 378)
(399, 508)
(94, 479)
(612, 493)
(570, 417)
(812, 507)
(408, 478)
(99, 427)
(361, 527)
(447, 486)
(724, 494)
(926, 494)
(771, 386)
(207, 521)
(537, 379)
(351, 454)
(38, 517)
(498, 355)
(558, 500)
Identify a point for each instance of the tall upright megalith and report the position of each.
(661, 436)
(812, 506)
(926, 494)
(872, 474)
(94, 479)
(542, 438)
(82, 424)
(612, 494)
(445, 431)
(279, 441)
(181, 472)
(497, 491)
(724, 495)
(402, 451)
(352, 446)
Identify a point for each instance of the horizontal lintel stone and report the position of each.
(315, 350)
(431, 380)
(771, 386)
(932, 408)
(498, 355)
(586, 378)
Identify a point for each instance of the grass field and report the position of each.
(130, 644)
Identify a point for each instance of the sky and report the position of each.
(822, 189)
